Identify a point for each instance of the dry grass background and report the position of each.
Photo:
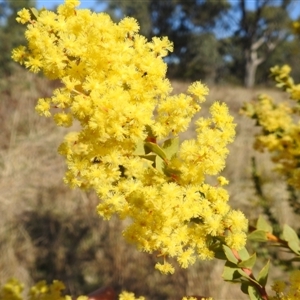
(48, 231)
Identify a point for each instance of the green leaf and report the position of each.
(156, 149)
(294, 246)
(35, 12)
(218, 250)
(244, 287)
(140, 149)
(245, 275)
(262, 277)
(171, 147)
(248, 289)
(289, 234)
(258, 236)
(155, 160)
(149, 131)
(230, 256)
(219, 254)
(253, 293)
(171, 172)
(230, 272)
(150, 157)
(243, 253)
(262, 224)
(248, 263)
(159, 164)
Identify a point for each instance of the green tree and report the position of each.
(188, 23)
(202, 58)
(260, 31)
(285, 53)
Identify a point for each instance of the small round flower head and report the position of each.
(194, 298)
(236, 221)
(236, 240)
(68, 8)
(199, 90)
(222, 180)
(129, 25)
(165, 268)
(43, 107)
(24, 16)
(161, 46)
(72, 3)
(12, 290)
(129, 296)
(18, 54)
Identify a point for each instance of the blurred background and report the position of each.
(48, 231)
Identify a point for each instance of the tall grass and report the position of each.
(48, 231)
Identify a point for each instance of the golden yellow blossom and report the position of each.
(129, 296)
(24, 16)
(128, 148)
(279, 125)
(165, 268)
(290, 292)
(12, 290)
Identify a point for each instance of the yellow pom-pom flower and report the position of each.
(128, 148)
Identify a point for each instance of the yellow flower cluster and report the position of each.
(129, 296)
(194, 298)
(280, 132)
(114, 84)
(287, 293)
(13, 289)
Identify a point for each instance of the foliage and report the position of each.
(259, 32)
(189, 24)
(202, 57)
(171, 17)
(285, 53)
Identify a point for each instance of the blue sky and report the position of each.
(84, 4)
(97, 6)
(52, 3)
(93, 4)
